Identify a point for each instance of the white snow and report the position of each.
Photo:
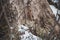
(22, 28)
(54, 9)
(27, 34)
(55, 1)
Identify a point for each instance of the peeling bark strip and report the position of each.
(29, 14)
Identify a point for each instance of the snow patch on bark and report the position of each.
(54, 9)
(26, 34)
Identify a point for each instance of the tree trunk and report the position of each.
(8, 21)
(32, 13)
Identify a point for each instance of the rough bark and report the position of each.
(8, 20)
(36, 14)
(32, 13)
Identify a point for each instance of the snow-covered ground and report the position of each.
(26, 34)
